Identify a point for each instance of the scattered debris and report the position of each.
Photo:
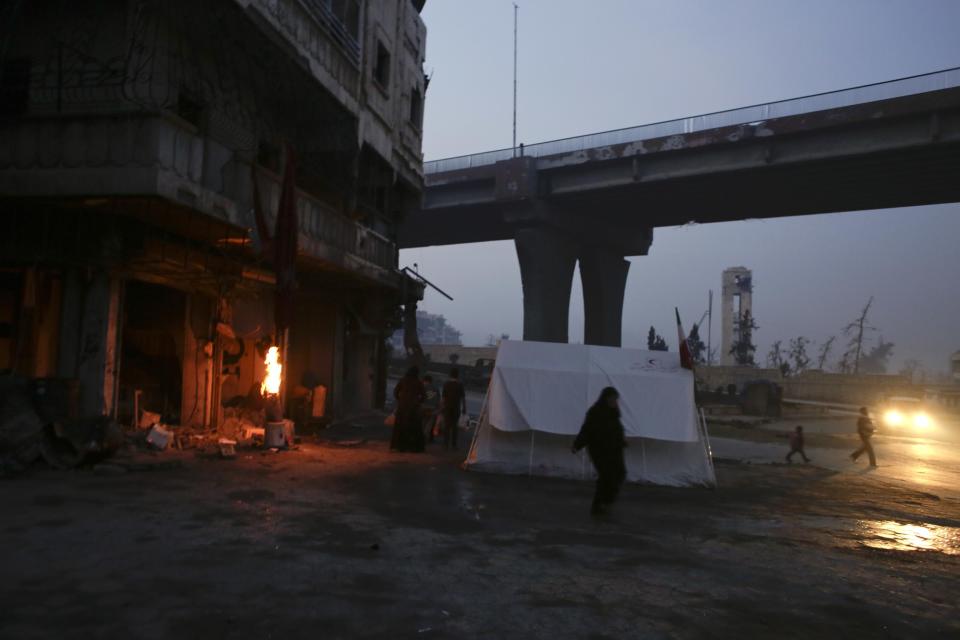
(279, 434)
(253, 434)
(158, 437)
(228, 448)
(148, 419)
(20, 426)
(65, 446)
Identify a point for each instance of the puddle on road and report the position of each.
(888, 535)
(898, 536)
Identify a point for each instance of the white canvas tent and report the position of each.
(540, 392)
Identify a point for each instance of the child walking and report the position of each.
(796, 445)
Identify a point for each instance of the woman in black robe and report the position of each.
(602, 435)
(408, 427)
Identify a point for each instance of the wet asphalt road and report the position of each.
(926, 459)
(343, 539)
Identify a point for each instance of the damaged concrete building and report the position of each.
(143, 146)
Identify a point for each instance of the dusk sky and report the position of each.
(587, 67)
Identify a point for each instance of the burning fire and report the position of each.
(271, 381)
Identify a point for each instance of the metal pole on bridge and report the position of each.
(515, 12)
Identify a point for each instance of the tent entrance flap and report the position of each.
(539, 394)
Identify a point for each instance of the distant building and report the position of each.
(955, 367)
(432, 329)
(736, 300)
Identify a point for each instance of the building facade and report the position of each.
(143, 145)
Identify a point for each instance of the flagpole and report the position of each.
(686, 362)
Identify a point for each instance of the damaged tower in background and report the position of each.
(737, 300)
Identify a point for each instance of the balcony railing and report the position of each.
(342, 19)
(321, 225)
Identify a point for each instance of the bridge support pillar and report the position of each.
(604, 276)
(547, 260)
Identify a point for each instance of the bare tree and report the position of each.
(824, 352)
(843, 365)
(800, 361)
(775, 357)
(855, 331)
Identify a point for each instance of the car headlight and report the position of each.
(922, 421)
(893, 418)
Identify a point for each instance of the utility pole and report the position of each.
(515, 13)
(709, 326)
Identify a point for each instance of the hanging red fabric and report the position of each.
(285, 245)
(686, 358)
(263, 231)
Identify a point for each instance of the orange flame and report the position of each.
(271, 381)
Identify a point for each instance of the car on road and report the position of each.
(906, 413)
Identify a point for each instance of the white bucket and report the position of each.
(278, 434)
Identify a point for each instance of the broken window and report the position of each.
(381, 68)
(416, 108)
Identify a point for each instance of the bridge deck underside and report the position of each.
(920, 175)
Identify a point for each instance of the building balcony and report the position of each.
(329, 237)
(128, 158)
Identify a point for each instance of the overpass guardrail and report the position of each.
(912, 85)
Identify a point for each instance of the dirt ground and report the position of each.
(352, 541)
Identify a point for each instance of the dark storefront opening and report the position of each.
(151, 360)
(9, 306)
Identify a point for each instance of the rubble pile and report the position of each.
(20, 426)
(38, 419)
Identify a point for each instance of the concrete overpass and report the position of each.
(597, 198)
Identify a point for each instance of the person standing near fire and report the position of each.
(454, 405)
(408, 427)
